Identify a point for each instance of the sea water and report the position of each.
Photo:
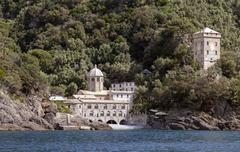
(120, 141)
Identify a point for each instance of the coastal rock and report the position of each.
(50, 117)
(15, 115)
(176, 126)
(202, 125)
(187, 120)
(11, 127)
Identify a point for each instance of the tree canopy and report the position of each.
(48, 46)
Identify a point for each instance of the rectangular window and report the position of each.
(201, 42)
(207, 52)
(89, 106)
(216, 43)
(207, 43)
(216, 53)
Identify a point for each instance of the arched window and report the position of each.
(120, 113)
(91, 113)
(114, 113)
(108, 113)
(98, 79)
(102, 113)
(114, 106)
(105, 106)
(96, 106)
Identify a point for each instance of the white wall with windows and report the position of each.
(124, 86)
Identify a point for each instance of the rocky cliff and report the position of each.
(221, 117)
(15, 115)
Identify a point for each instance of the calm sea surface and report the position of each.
(120, 141)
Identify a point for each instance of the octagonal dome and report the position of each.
(95, 72)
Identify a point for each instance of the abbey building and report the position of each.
(108, 106)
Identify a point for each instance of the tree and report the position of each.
(71, 89)
(45, 59)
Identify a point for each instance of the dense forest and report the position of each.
(48, 46)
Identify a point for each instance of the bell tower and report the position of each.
(206, 47)
(95, 80)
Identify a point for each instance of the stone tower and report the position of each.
(206, 47)
(95, 80)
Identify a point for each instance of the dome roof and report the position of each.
(95, 72)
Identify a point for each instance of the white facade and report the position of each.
(124, 86)
(56, 98)
(122, 95)
(106, 106)
(206, 47)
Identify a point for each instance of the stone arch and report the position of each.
(111, 122)
(100, 120)
(123, 122)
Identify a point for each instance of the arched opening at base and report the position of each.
(90, 121)
(111, 122)
(123, 122)
(100, 120)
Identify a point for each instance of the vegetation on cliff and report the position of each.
(50, 45)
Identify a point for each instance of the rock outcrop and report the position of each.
(188, 120)
(15, 115)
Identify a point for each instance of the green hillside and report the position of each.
(48, 47)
